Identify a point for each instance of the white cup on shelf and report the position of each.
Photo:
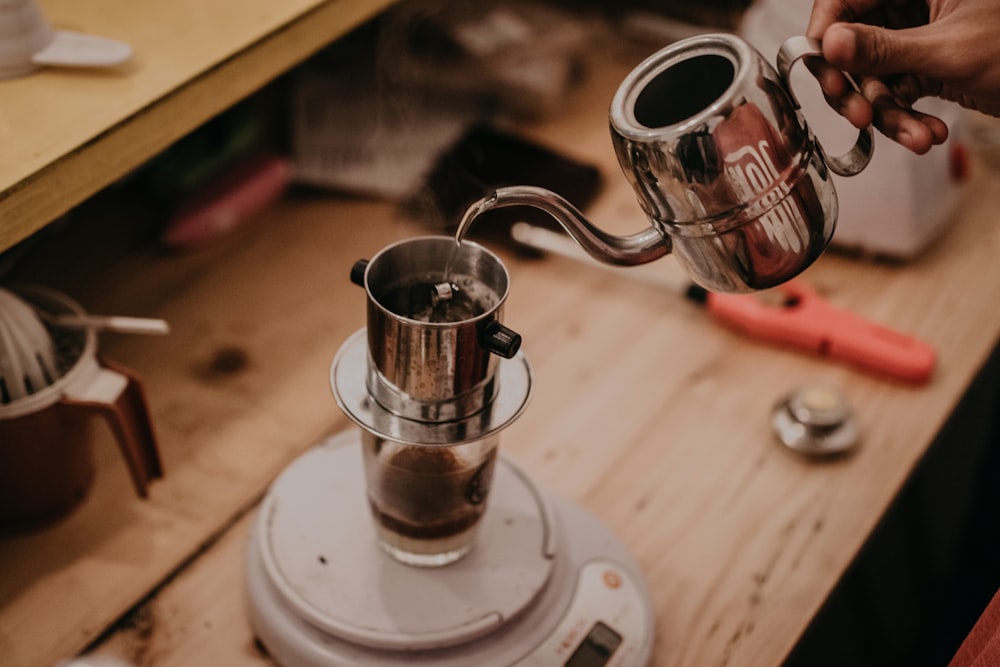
(28, 41)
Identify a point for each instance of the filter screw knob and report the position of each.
(358, 272)
(500, 340)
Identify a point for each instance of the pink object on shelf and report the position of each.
(228, 202)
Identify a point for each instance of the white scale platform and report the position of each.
(545, 584)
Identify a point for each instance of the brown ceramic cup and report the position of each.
(46, 458)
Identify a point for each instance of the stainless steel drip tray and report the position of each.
(347, 379)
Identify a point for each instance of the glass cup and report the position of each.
(427, 500)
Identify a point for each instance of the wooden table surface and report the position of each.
(645, 411)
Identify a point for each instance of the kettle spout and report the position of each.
(638, 248)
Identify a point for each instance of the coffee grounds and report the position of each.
(428, 493)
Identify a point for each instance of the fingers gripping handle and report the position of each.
(857, 158)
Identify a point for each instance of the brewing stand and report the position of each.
(545, 583)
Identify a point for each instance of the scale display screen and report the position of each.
(596, 648)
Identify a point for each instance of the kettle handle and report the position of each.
(857, 158)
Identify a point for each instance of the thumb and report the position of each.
(864, 49)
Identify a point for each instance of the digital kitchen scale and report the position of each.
(545, 584)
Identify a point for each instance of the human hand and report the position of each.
(902, 50)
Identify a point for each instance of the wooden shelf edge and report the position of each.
(65, 183)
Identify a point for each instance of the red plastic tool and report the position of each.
(805, 320)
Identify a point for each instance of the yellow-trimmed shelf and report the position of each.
(66, 134)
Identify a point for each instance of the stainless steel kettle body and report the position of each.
(722, 162)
